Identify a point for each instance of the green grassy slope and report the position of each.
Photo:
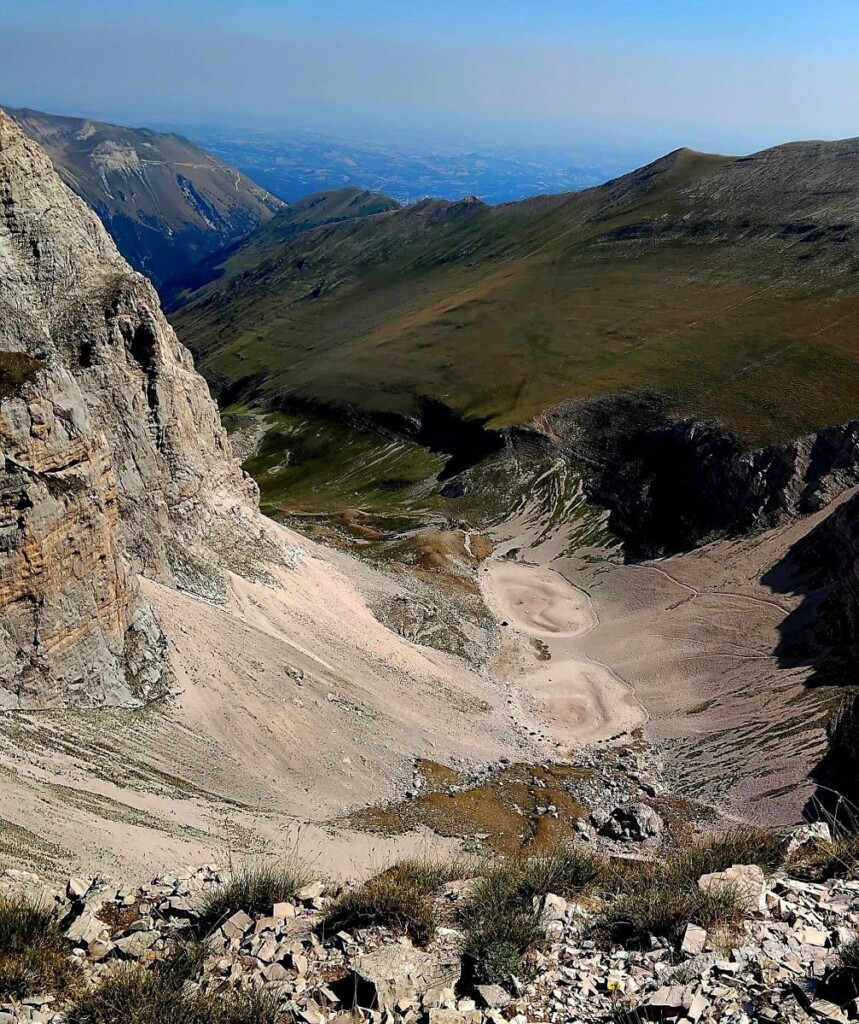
(728, 283)
(261, 250)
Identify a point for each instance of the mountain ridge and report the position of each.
(166, 202)
(703, 277)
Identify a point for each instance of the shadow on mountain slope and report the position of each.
(823, 633)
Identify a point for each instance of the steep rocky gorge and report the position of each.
(114, 459)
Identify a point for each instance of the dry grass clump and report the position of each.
(160, 994)
(253, 889)
(400, 898)
(502, 921)
(662, 898)
(34, 957)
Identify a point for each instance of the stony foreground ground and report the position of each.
(780, 964)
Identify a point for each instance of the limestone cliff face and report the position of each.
(114, 461)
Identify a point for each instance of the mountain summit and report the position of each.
(165, 201)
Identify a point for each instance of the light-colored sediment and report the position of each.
(295, 705)
(576, 699)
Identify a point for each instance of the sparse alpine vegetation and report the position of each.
(34, 957)
(573, 930)
(722, 284)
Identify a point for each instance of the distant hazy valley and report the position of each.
(292, 163)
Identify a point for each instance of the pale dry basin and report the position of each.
(685, 646)
(296, 705)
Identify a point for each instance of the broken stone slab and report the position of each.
(822, 1009)
(697, 1008)
(747, 880)
(668, 997)
(77, 888)
(492, 996)
(236, 926)
(554, 908)
(439, 1015)
(311, 892)
(86, 929)
(694, 940)
(136, 944)
(439, 995)
(382, 978)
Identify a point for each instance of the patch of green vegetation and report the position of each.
(160, 994)
(312, 464)
(661, 898)
(398, 898)
(254, 889)
(33, 955)
(504, 311)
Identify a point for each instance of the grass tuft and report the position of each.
(33, 954)
(501, 925)
(160, 994)
(400, 898)
(254, 890)
(661, 899)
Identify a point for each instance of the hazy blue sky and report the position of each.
(731, 75)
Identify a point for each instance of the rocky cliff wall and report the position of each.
(114, 461)
(673, 484)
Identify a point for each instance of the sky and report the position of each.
(726, 75)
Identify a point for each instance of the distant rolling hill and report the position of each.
(728, 285)
(254, 253)
(166, 202)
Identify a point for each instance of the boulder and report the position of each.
(390, 974)
(746, 879)
(635, 821)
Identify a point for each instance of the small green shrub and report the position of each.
(743, 844)
(33, 955)
(661, 901)
(400, 897)
(567, 871)
(254, 890)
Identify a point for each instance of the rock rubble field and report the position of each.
(399, 947)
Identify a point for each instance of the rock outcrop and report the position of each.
(114, 459)
(673, 484)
